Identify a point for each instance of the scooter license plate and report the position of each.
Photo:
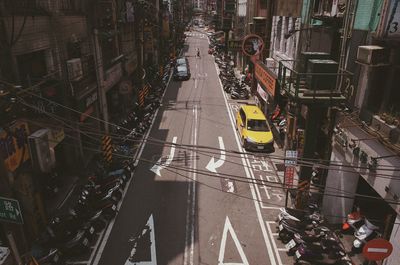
(260, 147)
(280, 227)
(298, 255)
(290, 245)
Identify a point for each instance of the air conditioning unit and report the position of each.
(372, 54)
(326, 78)
(40, 151)
(270, 63)
(74, 66)
(306, 56)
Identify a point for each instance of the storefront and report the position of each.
(366, 177)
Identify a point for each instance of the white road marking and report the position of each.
(378, 250)
(188, 257)
(278, 257)
(228, 227)
(153, 260)
(248, 173)
(231, 187)
(94, 260)
(159, 166)
(212, 165)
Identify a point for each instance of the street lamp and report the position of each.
(293, 31)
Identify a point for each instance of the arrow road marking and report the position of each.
(228, 227)
(153, 260)
(212, 165)
(159, 165)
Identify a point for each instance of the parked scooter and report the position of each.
(111, 190)
(287, 228)
(313, 237)
(365, 233)
(46, 256)
(297, 215)
(107, 207)
(353, 222)
(307, 255)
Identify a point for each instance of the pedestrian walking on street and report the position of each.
(198, 52)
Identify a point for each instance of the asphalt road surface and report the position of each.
(197, 195)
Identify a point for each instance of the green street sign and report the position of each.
(10, 211)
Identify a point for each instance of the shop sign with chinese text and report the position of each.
(14, 145)
(266, 78)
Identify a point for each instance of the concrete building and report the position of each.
(78, 62)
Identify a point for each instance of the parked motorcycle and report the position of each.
(46, 256)
(353, 222)
(365, 233)
(107, 207)
(297, 215)
(313, 237)
(287, 228)
(312, 255)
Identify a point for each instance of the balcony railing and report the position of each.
(309, 87)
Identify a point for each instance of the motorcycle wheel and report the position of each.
(99, 225)
(284, 237)
(109, 213)
(117, 196)
(292, 251)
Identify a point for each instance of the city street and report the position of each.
(200, 215)
(194, 132)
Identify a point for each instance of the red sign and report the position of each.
(377, 249)
(289, 176)
(252, 45)
(265, 78)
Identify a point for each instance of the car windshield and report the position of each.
(181, 61)
(257, 125)
(181, 68)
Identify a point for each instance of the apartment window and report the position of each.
(278, 34)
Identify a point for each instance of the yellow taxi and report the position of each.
(254, 130)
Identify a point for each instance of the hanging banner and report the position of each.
(266, 78)
(252, 45)
(262, 93)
